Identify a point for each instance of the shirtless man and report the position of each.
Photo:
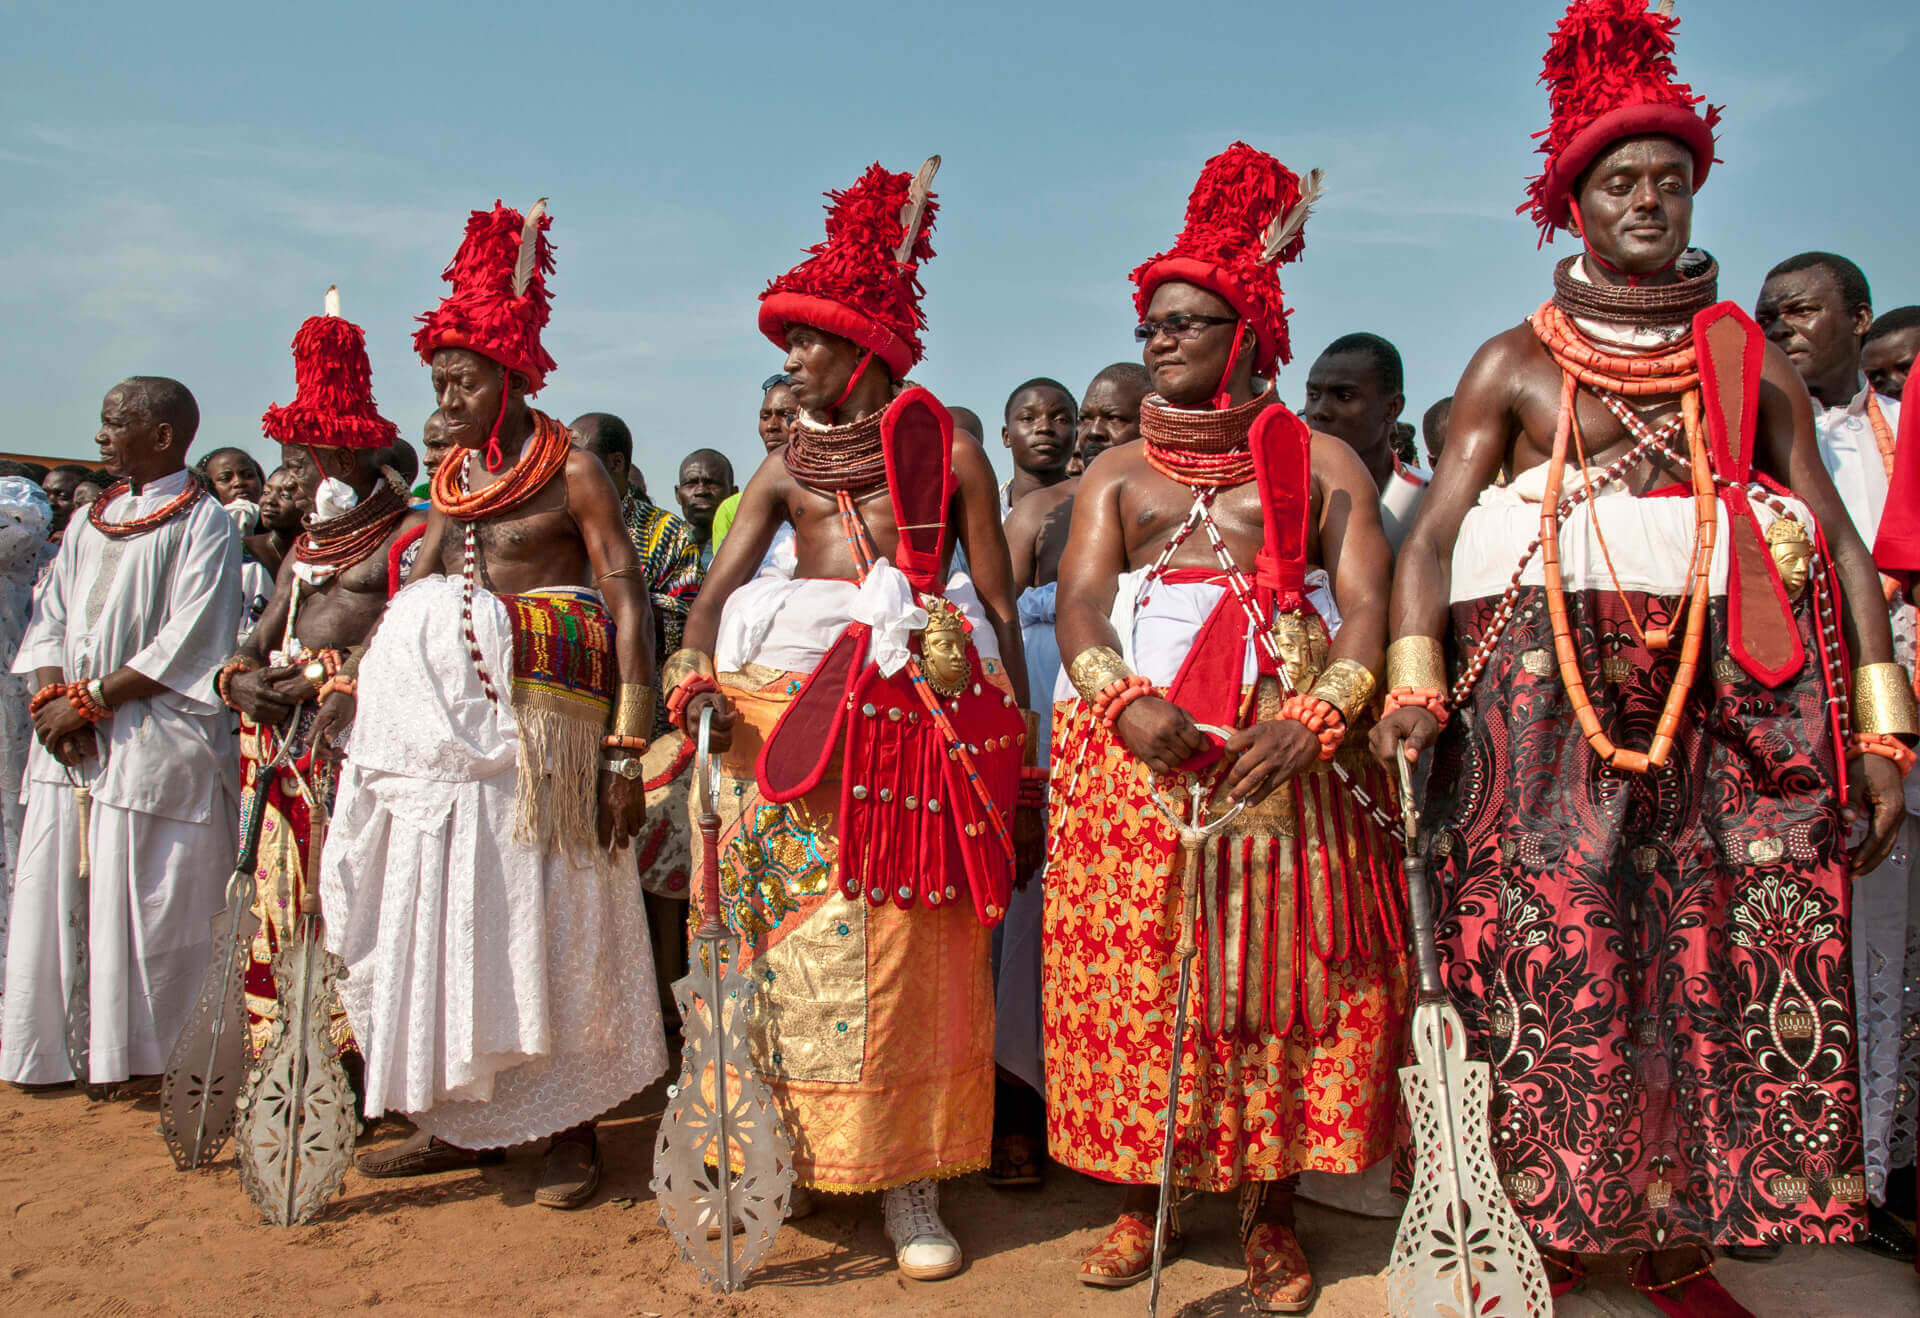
(1039, 425)
(1134, 589)
(332, 584)
(1591, 893)
(898, 955)
(494, 695)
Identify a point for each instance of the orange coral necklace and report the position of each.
(541, 458)
(1644, 376)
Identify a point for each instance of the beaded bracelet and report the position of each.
(344, 685)
(1033, 788)
(693, 684)
(45, 696)
(1885, 745)
(85, 703)
(1320, 717)
(1109, 704)
(1406, 697)
(222, 678)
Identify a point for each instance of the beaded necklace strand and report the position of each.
(153, 521)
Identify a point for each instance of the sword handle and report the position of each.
(1189, 897)
(706, 783)
(1419, 894)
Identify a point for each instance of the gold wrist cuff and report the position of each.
(1883, 701)
(1095, 668)
(1418, 662)
(1347, 685)
(633, 714)
(683, 662)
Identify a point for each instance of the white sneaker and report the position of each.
(922, 1245)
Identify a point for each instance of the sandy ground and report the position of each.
(94, 1220)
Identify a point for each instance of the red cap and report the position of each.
(851, 284)
(499, 302)
(1245, 219)
(1611, 72)
(333, 403)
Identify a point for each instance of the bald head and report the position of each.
(608, 438)
(164, 402)
(965, 418)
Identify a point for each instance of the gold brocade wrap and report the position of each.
(1348, 686)
(1417, 663)
(874, 1025)
(1096, 668)
(681, 663)
(1883, 701)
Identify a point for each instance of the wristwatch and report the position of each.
(627, 766)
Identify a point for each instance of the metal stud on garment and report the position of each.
(905, 892)
(913, 803)
(886, 793)
(859, 793)
(933, 806)
(950, 893)
(868, 710)
(894, 713)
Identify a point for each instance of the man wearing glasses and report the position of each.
(1230, 543)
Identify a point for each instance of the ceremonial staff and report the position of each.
(1193, 834)
(1460, 1247)
(79, 1036)
(722, 1154)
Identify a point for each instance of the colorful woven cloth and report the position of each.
(562, 653)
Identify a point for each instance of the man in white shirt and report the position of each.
(1818, 308)
(1356, 391)
(138, 612)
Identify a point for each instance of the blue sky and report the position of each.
(184, 181)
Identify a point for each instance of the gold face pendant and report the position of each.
(1792, 551)
(943, 649)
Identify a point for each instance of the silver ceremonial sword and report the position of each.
(722, 1154)
(298, 1121)
(1460, 1247)
(1193, 836)
(200, 1090)
(79, 1021)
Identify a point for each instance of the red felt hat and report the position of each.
(1245, 219)
(863, 282)
(499, 302)
(333, 403)
(1610, 70)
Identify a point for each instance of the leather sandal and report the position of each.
(1695, 1294)
(421, 1154)
(1278, 1277)
(1015, 1162)
(1124, 1255)
(571, 1175)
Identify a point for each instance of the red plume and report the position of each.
(483, 312)
(1243, 196)
(1611, 75)
(333, 403)
(850, 284)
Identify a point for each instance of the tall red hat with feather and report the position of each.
(863, 282)
(1611, 74)
(333, 403)
(1245, 219)
(499, 303)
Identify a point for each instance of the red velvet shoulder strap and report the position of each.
(1282, 464)
(1897, 546)
(1731, 349)
(916, 434)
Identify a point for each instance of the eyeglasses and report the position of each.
(778, 377)
(1179, 328)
